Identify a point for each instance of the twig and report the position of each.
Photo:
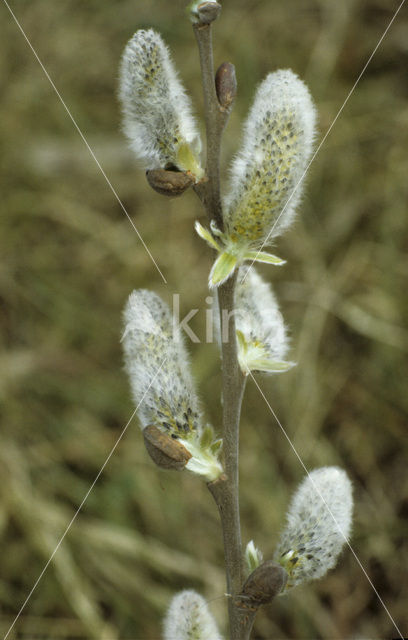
(225, 489)
(215, 121)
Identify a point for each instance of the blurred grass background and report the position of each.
(69, 259)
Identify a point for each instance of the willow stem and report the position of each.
(225, 489)
(215, 121)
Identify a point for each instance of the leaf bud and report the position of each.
(253, 556)
(226, 84)
(203, 13)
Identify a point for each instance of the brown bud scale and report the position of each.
(266, 582)
(165, 451)
(169, 183)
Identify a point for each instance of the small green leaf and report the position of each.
(253, 556)
(242, 343)
(186, 160)
(206, 235)
(268, 366)
(223, 267)
(262, 256)
(217, 232)
(216, 446)
(207, 437)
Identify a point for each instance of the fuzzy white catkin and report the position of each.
(158, 366)
(318, 525)
(157, 116)
(188, 618)
(258, 316)
(277, 144)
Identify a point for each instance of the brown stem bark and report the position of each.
(225, 489)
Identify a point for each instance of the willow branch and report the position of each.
(225, 489)
(215, 120)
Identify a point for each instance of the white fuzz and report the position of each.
(159, 372)
(259, 320)
(157, 115)
(262, 338)
(188, 618)
(318, 525)
(277, 144)
(158, 367)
